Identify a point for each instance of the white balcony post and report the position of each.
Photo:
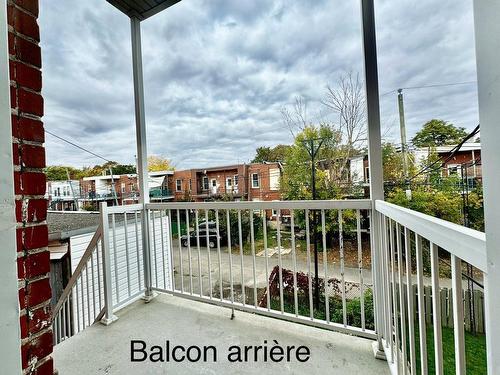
(374, 157)
(487, 32)
(142, 153)
(109, 317)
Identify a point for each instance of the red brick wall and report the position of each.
(29, 180)
(263, 192)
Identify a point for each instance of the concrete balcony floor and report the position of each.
(106, 350)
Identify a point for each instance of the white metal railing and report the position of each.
(243, 256)
(406, 235)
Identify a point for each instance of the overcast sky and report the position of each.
(217, 72)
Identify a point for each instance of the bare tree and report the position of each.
(347, 99)
(296, 119)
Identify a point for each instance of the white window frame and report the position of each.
(255, 186)
(123, 187)
(205, 184)
(178, 185)
(213, 182)
(236, 180)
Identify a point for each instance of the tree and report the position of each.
(274, 154)
(393, 164)
(60, 173)
(157, 163)
(438, 133)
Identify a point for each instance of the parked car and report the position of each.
(202, 234)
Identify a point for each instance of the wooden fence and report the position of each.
(473, 307)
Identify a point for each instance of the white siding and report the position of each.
(357, 170)
(274, 179)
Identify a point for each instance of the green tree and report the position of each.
(158, 163)
(271, 154)
(393, 164)
(438, 133)
(60, 173)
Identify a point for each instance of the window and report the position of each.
(274, 179)
(123, 187)
(255, 180)
(367, 174)
(205, 183)
(178, 185)
(235, 180)
(229, 183)
(452, 169)
(214, 182)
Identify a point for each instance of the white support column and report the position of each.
(487, 32)
(142, 153)
(374, 156)
(10, 344)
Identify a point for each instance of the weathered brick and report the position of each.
(46, 368)
(23, 22)
(13, 97)
(36, 349)
(37, 292)
(30, 102)
(36, 210)
(33, 237)
(29, 5)
(28, 52)
(33, 265)
(38, 319)
(15, 154)
(29, 183)
(28, 129)
(12, 44)
(32, 156)
(23, 322)
(28, 76)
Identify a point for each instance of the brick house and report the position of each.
(256, 181)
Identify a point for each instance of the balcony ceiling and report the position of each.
(142, 9)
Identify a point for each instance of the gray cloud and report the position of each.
(218, 72)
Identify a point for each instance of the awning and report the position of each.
(142, 9)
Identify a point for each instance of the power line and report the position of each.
(454, 150)
(429, 86)
(77, 146)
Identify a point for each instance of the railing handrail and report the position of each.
(78, 270)
(468, 244)
(124, 208)
(361, 204)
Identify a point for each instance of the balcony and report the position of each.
(378, 270)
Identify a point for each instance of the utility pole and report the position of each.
(313, 148)
(402, 127)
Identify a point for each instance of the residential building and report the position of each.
(63, 195)
(255, 181)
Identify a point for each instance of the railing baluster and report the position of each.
(62, 322)
(436, 310)
(219, 258)
(171, 249)
(137, 249)
(325, 267)
(342, 267)
(208, 256)
(252, 243)
(294, 260)
(395, 346)
(409, 296)
(421, 307)
(387, 284)
(240, 238)
(229, 250)
(264, 229)
(83, 302)
(360, 269)
(88, 293)
(181, 273)
(402, 312)
(280, 270)
(93, 284)
(115, 257)
(155, 254)
(458, 315)
(197, 226)
(98, 261)
(309, 275)
(163, 259)
(77, 306)
(127, 255)
(190, 255)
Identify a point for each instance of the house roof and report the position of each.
(142, 9)
(65, 224)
